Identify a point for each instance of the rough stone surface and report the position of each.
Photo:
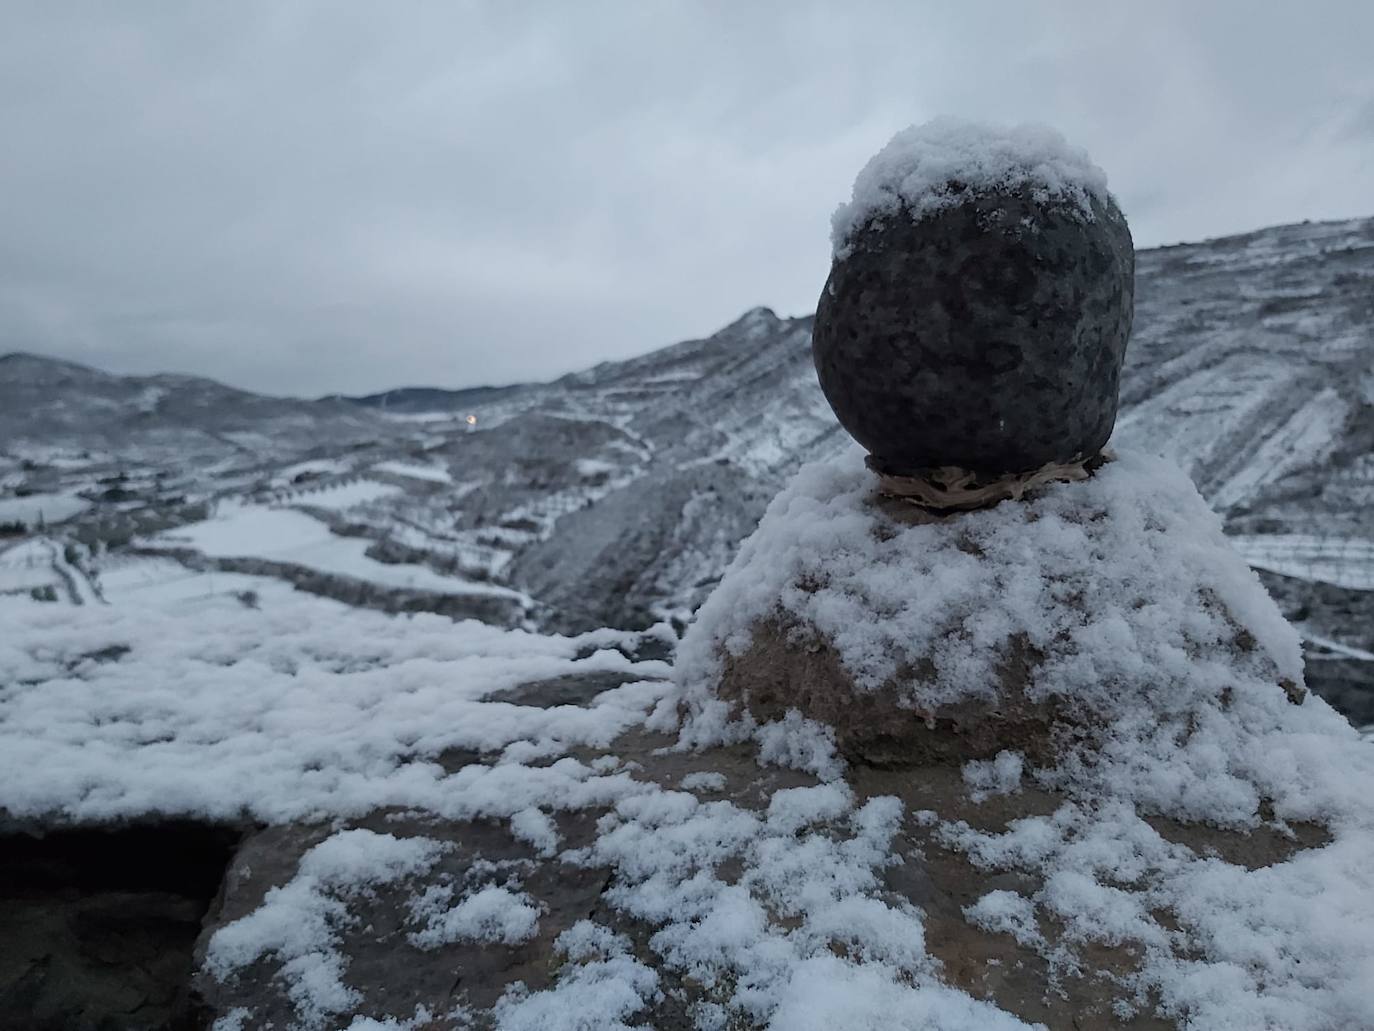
(791, 667)
(989, 335)
(97, 926)
(395, 977)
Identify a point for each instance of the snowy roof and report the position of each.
(915, 173)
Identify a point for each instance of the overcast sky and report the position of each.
(305, 198)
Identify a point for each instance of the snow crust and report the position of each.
(914, 175)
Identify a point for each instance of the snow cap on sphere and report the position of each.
(978, 307)
(927, 167)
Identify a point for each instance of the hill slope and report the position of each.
(617, 495)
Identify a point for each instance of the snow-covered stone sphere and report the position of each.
(979, 302)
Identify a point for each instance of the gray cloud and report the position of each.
(308, 197)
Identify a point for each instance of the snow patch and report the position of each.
(703, 781)
(300, 923)
(1000, 775)
(297, 710)
(284, 535)
(430, 473)
(598, 987)
(494, 915)
(33, 509)
(914, 175)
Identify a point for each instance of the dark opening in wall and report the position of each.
(97, 926)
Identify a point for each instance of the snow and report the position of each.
(591, 468)
(340, 496)
(998, 776)
(599, 986)
(1007, 912)
(1135, 546)
(1304, 441)
(155, 581)
(812, 860)
(430, 473)
(314, 466)
(826, 993)
(535, 828)
(283, 535)
(73, 578)
(911, 176)
(1163, 644)
(45, 508)
(299, 922)
(1335, 649)
(1344, 561)
(295, 710)
(703, 780)
(1286, 945)
(26, 565)
(494, 914)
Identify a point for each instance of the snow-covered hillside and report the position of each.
(617, 496)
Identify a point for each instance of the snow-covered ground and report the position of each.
(285, 535)
(1336, 649)
(314, 467)
(431, 473)
(1343, 561)
(41, 508)
(301, 709)
(338, 497)
(250, 700)
(152, 582)
(26, 565)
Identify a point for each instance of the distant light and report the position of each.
(472, 420)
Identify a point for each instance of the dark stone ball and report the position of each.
(987, 335)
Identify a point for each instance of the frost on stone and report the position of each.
(300, 923)
(927, 167)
